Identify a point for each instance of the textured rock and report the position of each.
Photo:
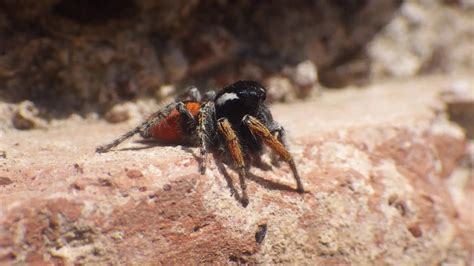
(70, 55)
(383, 172)
(459, 98)
(425, 37)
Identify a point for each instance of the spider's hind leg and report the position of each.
(144, 128)
(116, 142)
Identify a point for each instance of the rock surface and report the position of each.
(66, 57)
(383, 172)
(425, 37)
(72, 55)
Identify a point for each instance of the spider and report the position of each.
(235, 121)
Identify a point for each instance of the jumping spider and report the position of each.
(235, 120)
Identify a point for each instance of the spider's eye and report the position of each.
(261, 93)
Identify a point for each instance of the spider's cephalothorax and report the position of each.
(236, 120)
(244, 98)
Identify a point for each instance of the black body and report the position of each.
(244, 98)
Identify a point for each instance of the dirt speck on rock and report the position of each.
(5, 181)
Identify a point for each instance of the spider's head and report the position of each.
(250, 91)
(245, 96)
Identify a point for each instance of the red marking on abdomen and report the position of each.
(170, 129)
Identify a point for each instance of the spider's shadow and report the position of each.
(221, 167)
(269, 184)
(223, 171)
(148, 144)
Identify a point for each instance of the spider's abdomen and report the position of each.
(171, 129)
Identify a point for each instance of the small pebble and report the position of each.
(415, 230)
(167, 187)
(5, 181)
(261, 233)
(117, 114)
(134, 174)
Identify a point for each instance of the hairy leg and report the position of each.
(129, 134)
(191, 93)
(210, 96)
(233, 146)
(276, 145)
(205, 128)
(279, 132)
(189, 122)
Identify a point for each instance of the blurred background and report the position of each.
(119, 59)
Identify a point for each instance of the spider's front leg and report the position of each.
(233, 145)
(259, 129)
